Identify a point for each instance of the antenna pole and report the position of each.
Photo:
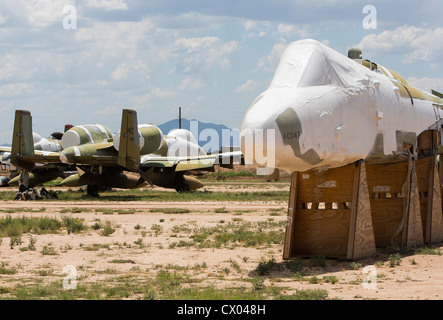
(179, 117)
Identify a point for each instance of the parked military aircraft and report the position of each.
(326, 110)
(41, 173)
(102, 158)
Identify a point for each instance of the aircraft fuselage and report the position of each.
(323, 109)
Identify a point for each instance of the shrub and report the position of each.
(266, 267)
(73, 225)
(107, 229)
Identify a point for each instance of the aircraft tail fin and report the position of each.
(22, 140)
(129, 151)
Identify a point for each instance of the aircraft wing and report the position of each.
(40, 157)
(5, 149)
(193, 163)
(180, 163)
(229, 158)
(100, 160)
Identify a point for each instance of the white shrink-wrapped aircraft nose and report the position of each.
(327, 110)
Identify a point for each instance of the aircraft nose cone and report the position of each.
(257, 140)
(63, 158)
(67, 155)
(282, 132)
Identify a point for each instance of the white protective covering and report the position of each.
(308, 63)
(141, 140)
(184, 134)
(36, 137)
(182, 148)
(327, 110)
(45, 144)
(89, 133)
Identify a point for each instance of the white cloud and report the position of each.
(108, 5)
(3, 19)
(292, 30)
(121, 72)
(34, 13)
(191, 83)
(107, 111)
(250, 85)
(426, 83)
(15, 89)
(162, 93)
(270, 62)
(257, 28)
(205, 52)
(250, 25)
(414, 43)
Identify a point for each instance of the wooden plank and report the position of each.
(434, 231)
(390, 176)
(292, 205)
(423, 167)
(429, 202)
(333, 185)
(321, 232)
(354, 209)
(386, 215)
(440, 175)
(414, 232)
(364, 240)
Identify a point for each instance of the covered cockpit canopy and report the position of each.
(308, 63)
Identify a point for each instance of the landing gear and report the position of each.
(23, 183)
(92, 190)
(184, 187)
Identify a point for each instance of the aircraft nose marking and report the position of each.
(290, 128)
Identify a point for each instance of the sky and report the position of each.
(82, 62)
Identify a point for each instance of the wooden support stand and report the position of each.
(346, 212)
(329, 213)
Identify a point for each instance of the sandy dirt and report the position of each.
(418, 276)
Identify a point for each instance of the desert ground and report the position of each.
(185, 250)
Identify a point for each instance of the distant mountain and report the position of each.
(211, 137)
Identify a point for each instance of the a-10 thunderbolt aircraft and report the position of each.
(103, 159)
(325, 110)
(41, 173)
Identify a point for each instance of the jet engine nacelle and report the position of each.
(182, 143)
(4, 181)
(179, 147)
(184, 134)
(150, 139)
(45, 144)
(110, 179)
(90, 133)
(36, 178)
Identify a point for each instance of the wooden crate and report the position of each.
(388, 203)
(329, 214)
(348, 211)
